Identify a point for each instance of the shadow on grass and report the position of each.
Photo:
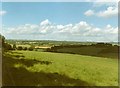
(16, 52)
(28, 62)
(105, 52)
(21, 77)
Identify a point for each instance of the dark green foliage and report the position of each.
(99, 50)
(30, 48)
(5, 46)
(14, 46)
(8, 46)
(25, 48)
(2, 41)
(48, 49)
(20, 48)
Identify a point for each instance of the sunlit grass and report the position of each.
(94, 70)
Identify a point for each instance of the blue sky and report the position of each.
(18, 14)
(60, 13)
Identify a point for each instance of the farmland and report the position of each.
(59, 63)
(59, 43)
(104, 51)
(33, 68)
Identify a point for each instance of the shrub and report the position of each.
(30, 48)
(8, 46)
(20, 48)
(14, 46)
(25, 48)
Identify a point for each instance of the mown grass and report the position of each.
(95, 71)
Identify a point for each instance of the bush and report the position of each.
(30, 48)
(20, 48)
(14, 46)
(25, 48)
(8, 46)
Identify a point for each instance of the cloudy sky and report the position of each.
(73, 21)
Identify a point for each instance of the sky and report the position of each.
(64, 21)
(59, 0)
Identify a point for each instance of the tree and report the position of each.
(25, 48)
(14, 46)
(20, 48)
(8, 46)
(30, 48)
(2, 41)
(5, 46)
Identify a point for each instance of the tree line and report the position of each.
(97, 45)
(22, 48)
(6, 46)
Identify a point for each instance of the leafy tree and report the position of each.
(31, 48)
(20, 48)
(25, 48)
(14, 46)
(7, 46)
(2, 41)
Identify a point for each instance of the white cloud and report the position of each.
(89, 13)
(111, 30)
(81, 31)
(110, 12)
(2, 13)
(45, 22)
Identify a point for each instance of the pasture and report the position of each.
(34, 68)
(106, 52)
(23, 45)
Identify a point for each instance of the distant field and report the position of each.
(106, 52)
(42, 47)
(23, 45)
(59, 69)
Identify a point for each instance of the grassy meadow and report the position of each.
(108, 52)
(59, 43)
(33, 68)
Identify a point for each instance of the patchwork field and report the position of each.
(33, 68)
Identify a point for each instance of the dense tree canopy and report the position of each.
(3, 44)
(2, 41)
(14, 46)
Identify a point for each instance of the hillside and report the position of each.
(34, 68)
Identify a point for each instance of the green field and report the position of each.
(23, 46)
(106, 52)
(58, 69)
